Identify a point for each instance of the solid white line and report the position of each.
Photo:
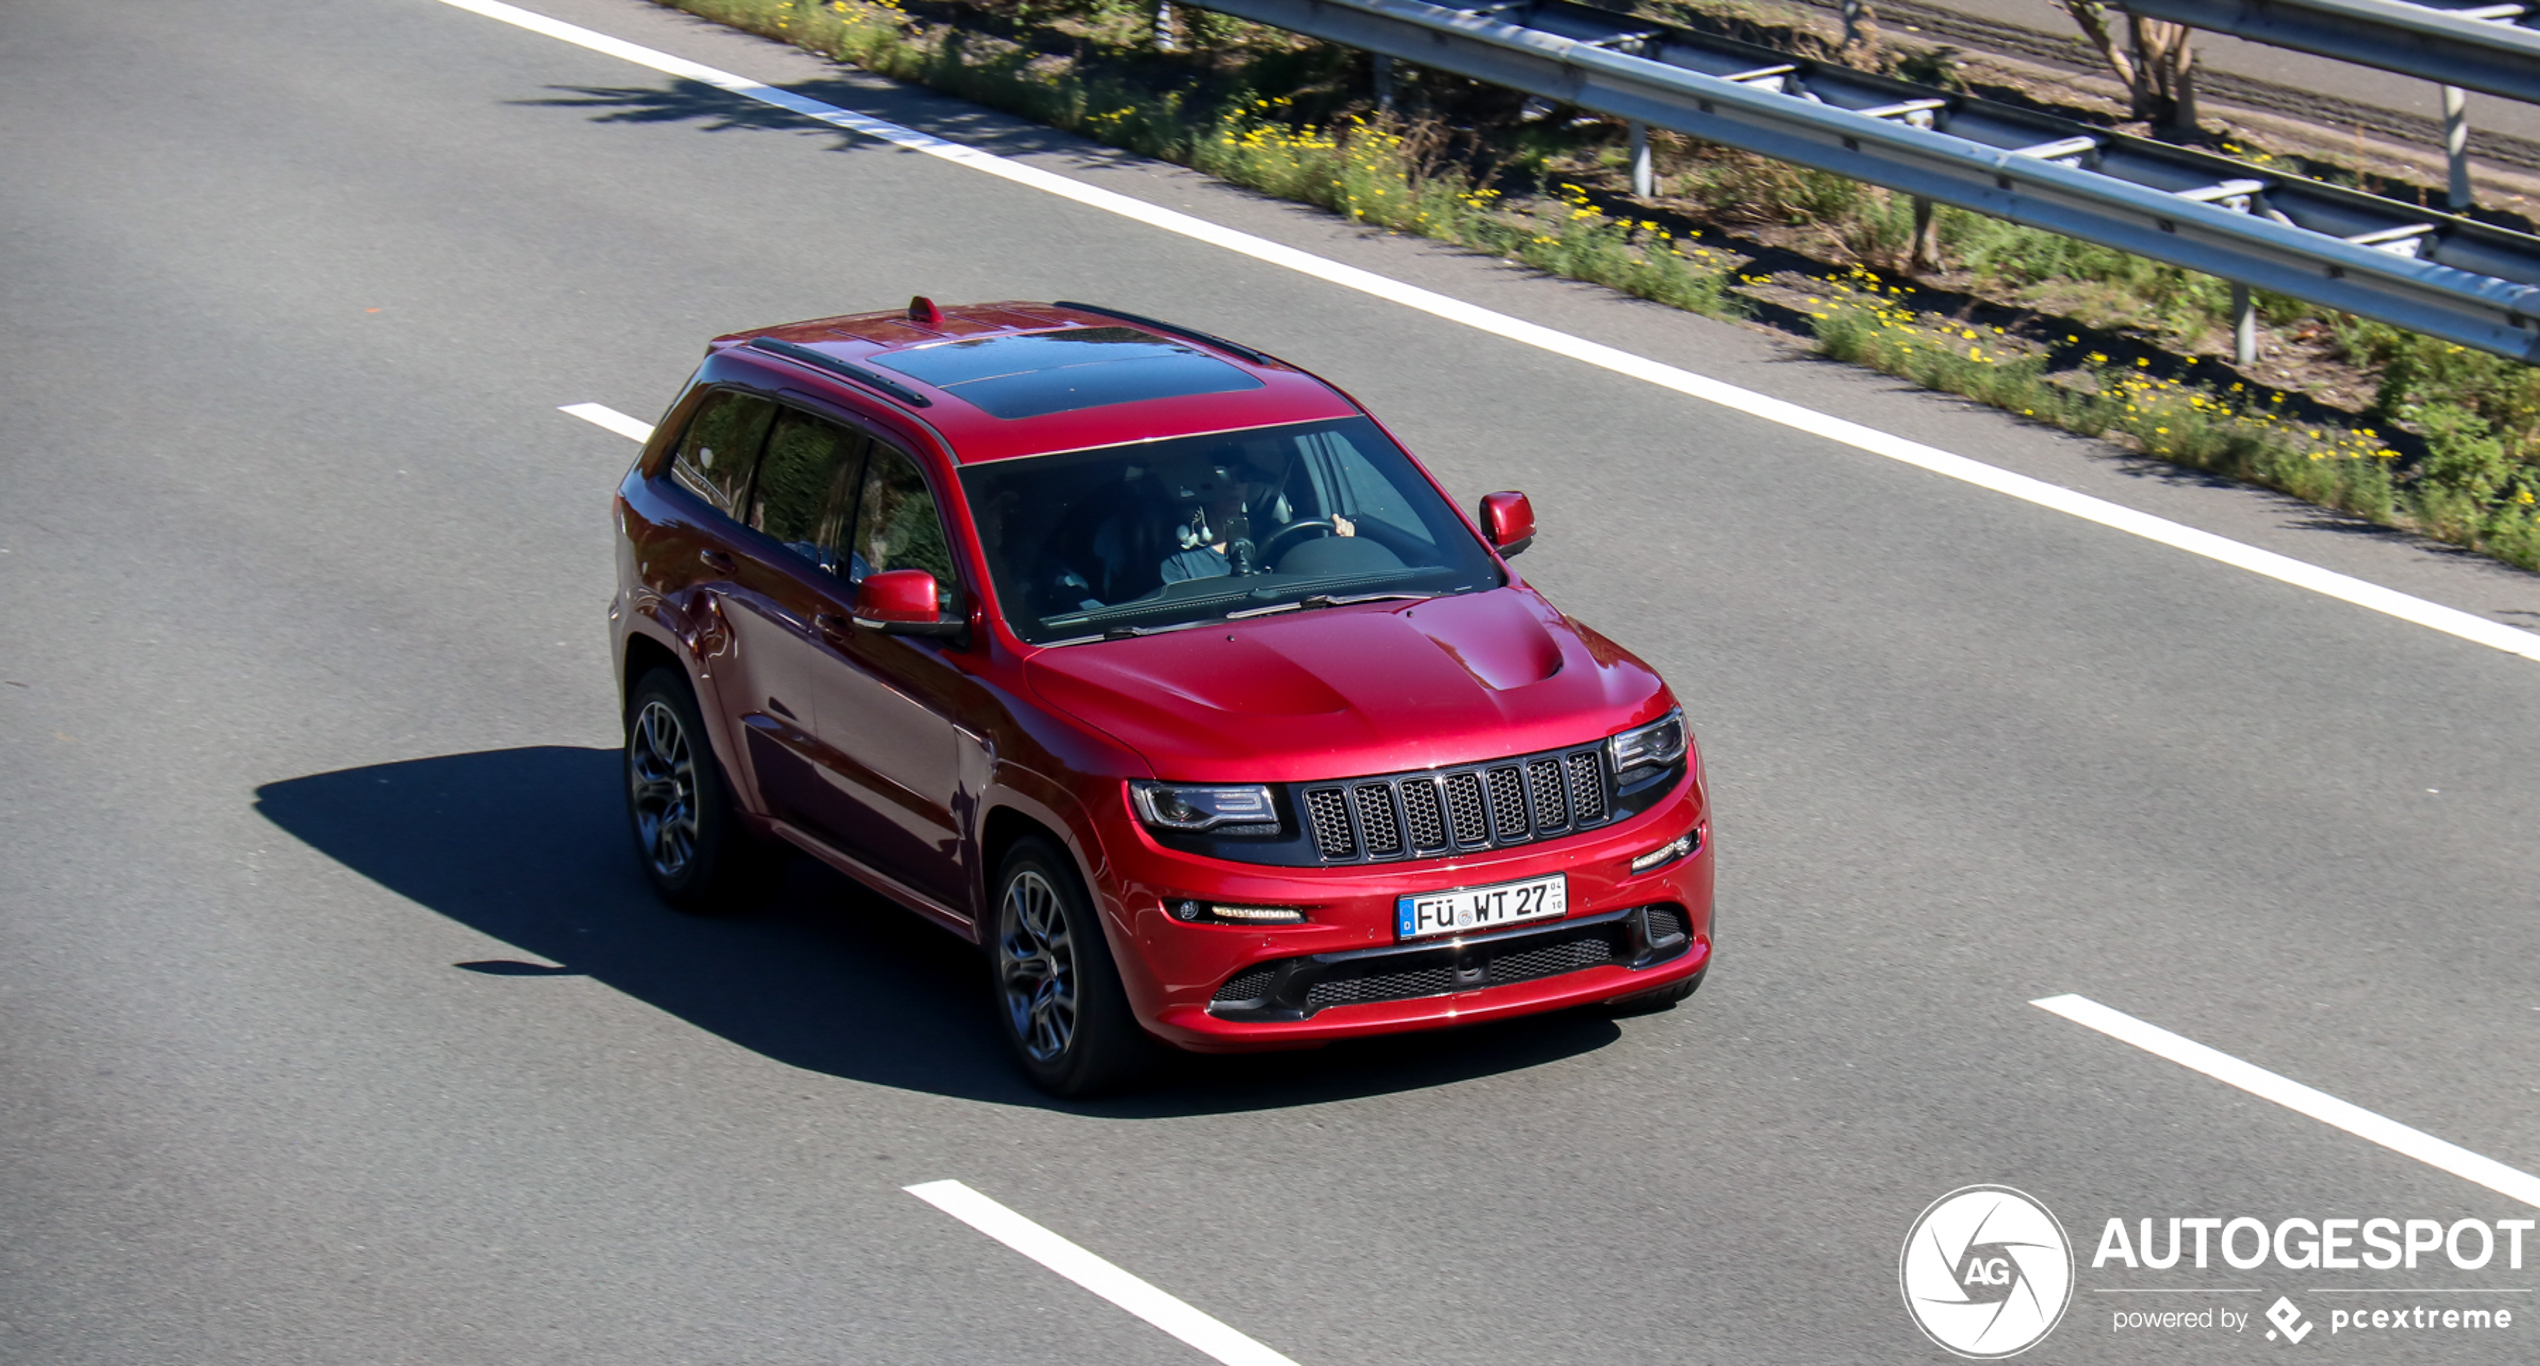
(601, 415)
(2293, 1095)
(1096, 1275)
(2299, 573)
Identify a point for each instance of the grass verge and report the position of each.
(2453, 452)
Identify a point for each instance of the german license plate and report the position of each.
(1468, 909)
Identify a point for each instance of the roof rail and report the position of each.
(822, 360)
(1176, 329)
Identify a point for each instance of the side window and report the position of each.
(896, 525)
(810, 464)
(714, 458)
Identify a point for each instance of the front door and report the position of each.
(891, 706)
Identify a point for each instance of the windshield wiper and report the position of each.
(1313, 600)
(1123, 632)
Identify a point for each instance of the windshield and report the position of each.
(1171, 533)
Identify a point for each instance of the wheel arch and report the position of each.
(643, 655)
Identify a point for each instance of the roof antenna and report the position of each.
(922, 310)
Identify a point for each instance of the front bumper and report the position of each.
(1342, 974)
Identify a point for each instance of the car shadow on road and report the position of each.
(527, 846)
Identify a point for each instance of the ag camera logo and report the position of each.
(1986, 1272)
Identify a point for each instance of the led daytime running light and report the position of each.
(1681, 846)
(1194, 911)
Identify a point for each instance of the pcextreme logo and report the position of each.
(1986, 1272)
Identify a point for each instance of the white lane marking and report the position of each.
(2283, 568)
(601, 415)
(2293, 1095)
(1096, 1275)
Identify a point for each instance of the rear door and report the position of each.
(692, 560)
(782, 585)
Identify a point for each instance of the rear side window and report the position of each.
(896, 525)
(715, 456)
(802, 481)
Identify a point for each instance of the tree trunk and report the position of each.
(2157, 64)
(2165, 74)
(1860, 31)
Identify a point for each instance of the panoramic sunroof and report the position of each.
(1037, 373)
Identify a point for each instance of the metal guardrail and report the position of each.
(2472, 44)
(2428, 272)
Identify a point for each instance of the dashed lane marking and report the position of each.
(2293, 1095)
(1097, 1275)
(601, 415)
(2266, 563)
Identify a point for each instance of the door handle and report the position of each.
(717, 560)
(833, 627)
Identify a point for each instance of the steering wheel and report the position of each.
(1289, 530)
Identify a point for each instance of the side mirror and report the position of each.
(901, 602)
(1509, 521)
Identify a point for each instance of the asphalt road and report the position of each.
(336, 1027)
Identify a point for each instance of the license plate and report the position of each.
(1467, 909)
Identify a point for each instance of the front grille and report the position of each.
(1511, 801)
(1328, 812)
(1666, 922)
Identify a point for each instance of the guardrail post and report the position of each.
(1164, 27)
(1384, 82)
(1644, 174)
(2456, 144)
(2244, 326)
(1926, 236)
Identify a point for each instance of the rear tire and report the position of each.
(1057, 991)
(688, 834)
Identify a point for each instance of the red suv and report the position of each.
(1153, 666)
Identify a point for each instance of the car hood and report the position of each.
(1342, 691)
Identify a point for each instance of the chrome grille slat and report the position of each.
(1328, 812)
(1468, 808)
(1376, 822)
(1587, 786)
(1423, 821)
(1543, 787)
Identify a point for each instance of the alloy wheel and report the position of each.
(1036, 966)
(662, 774)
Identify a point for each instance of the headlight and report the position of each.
(1193, 810)
(1657, 744)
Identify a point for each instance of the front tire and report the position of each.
(1057, 990)
(689, 838)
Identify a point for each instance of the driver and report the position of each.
(1215, 535)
